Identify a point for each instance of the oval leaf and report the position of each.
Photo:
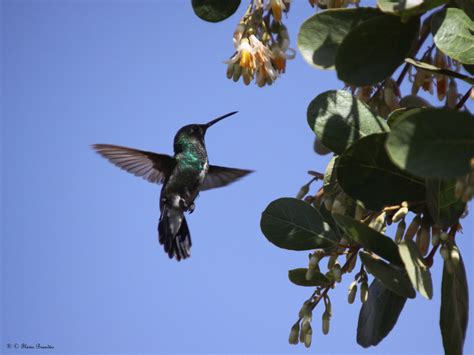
(392, 278)
(433, 142)
(317, 39)
(370, 239)
(408, 7)
(330, 186)
(339, 119)
(366, 173)
(293, 224)
(444, 208)
(418, 273)
(372, 51)
(215, 10)
(298, 277)
(378, 315)
(454, 309)
(453, 32)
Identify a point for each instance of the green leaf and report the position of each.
(418, 273)
(453, 32)
(372, 51)
(413, 101)
(318, 41)
(378, 315)
(454, 309)
(293, 224)
(298, 277)
(215, 10)
(433, 143)
(435, 70)
(468, 7)
(391, 277)
(409, 7)
(369, 239)
(330, 185)
(339, 119)
(444, 208)
(366, 173)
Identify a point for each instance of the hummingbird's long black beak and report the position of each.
(215, 120)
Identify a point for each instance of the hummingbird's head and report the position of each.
(194, 133)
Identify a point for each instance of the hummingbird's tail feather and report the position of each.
(173, 233)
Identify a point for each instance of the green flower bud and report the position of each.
(455, 257)
(337, 272)
(445, 252)
(306, 310)
(449, 265)
(309, 274)
(351, 264)
(326, 318)
(352, 292)
(332, 261)
(400, 231)
(444, 236)
(364, 292)
(307, 338)
(294, 332)
(303, 191)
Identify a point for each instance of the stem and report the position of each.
(463, 100)
(425, 31)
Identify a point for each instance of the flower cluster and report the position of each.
(261, 44)
(446, 88)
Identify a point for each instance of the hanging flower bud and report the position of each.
(337, 272)
(338, 205)
(435, 235)
(309, 274)
(401, 213)
(332, 261)
(391, 93)
(294, 332)
(308, 337)
(413, 228)
(455, 256)
(326, 318)
(468, 193)
(444, 236)
(452, 94)
(424, 238)
(328, 202)
(352, 263)
(445, 252)
(352, 292)
(306, 310)
(400, 231)
(364, 292)
(303, 191)
(359, 212)
(440, 61)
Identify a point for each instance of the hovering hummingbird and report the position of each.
(183, 177)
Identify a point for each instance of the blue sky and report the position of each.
(82, 269)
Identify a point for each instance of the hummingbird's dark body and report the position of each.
(183, 177)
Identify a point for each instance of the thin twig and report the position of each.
(463, 100)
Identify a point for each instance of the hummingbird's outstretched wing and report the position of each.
(151, 166)
(219, 176)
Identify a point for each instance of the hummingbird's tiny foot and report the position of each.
(191, 207)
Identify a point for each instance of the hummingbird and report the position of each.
(183, 176)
